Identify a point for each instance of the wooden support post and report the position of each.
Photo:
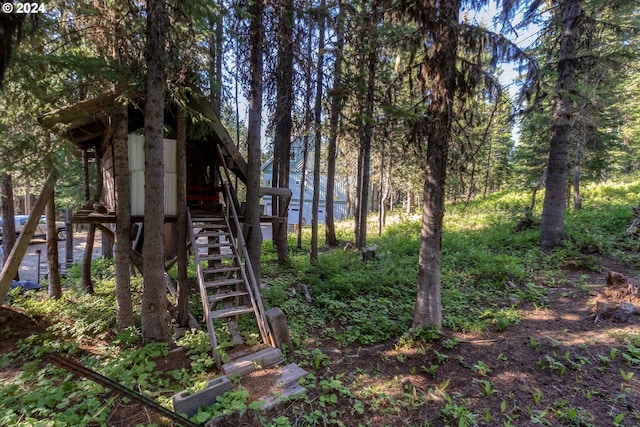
(69, 240)
(20, 248)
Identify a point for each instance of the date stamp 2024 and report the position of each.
(22, 8)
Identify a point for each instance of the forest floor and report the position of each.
(558, 366)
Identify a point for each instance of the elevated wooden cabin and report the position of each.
(215, 227)
(87, 124)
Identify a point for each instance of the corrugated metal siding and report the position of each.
(136, 167)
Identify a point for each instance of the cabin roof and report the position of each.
(86, 123)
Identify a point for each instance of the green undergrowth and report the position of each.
(489, 271)
(487, 266)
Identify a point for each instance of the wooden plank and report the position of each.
(274, 191)
(230, 312)
(12, 263)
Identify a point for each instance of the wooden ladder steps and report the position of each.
(216, 245)
(230, 312)
(211, 299)
(216, 257)
(210, 233)
(218, 270)
(223, 282)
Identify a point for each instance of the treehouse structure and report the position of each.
(216, 231)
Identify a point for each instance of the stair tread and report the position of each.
(214, 270)
(230, 312)
(214, 245)
(214, 233)
(204, 218)
(212, 227)
(222, 282)
(216, 257)
(225, 295)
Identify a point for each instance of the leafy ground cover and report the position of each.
(520, 345)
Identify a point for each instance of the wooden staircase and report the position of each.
(227, 286)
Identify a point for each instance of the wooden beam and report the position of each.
(20, 248)
(275, 191)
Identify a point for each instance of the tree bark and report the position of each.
(8, 217)
(54, 287)
(303, 177)
(552, 232)
(182, 297)
(216, 57)
(87, 283)
(337, 96)
(283, 122)
(318, 135)
(124, 305)
(440, 68)
(577, 168)
(366, 136)
(308, 115)
(154, 299)
(252, 214)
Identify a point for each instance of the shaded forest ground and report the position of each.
(557, 366)
(523, 342)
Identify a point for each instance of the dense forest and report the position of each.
(416, 110)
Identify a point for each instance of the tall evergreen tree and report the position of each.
(337, 95)
(256, 34)
(283, 121)
(317, 118)
(445, 76)
(552, 226)
(154, 299)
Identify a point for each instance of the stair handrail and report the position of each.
(203, 292)
(253, 283)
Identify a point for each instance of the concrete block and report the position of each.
(290, 391)
(279, 328)
(185, 403)
(249, 363)
(289, 374)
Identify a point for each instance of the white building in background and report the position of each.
(295, 177)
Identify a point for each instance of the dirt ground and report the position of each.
(522, 365)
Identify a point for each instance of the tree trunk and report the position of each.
(182, 297)
(337, 96)
(154, 296)
(440, 67)
(216, 58)
(552, 226)
(577, 166)
(357, 192)
(318, 135)
(283, 122)
(87, 283)
(303, 178)
(307, 128)
(348, 196)
(8, 215)
(366, 136)
(124, 305)
(252, 214)
(55, 287)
